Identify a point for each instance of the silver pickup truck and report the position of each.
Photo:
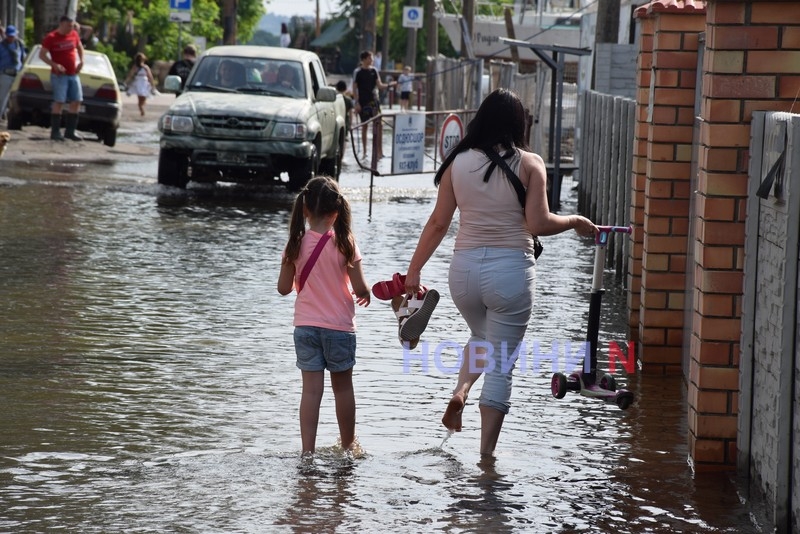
(248, 114)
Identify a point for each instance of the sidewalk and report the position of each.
(33, 144)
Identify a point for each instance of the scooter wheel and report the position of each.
(607, 382)
(624, 399)
(558, 385)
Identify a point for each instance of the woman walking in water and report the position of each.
(492, 270)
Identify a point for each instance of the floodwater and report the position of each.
(148, 383)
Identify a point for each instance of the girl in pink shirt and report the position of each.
(322, 262)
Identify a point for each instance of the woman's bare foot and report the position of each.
(452, 414)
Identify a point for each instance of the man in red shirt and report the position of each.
(63, 51)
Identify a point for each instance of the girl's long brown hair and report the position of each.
(321, 197)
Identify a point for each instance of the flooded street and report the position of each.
(148, 379)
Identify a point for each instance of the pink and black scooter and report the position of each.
(586, 383)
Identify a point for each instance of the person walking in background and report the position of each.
(140, 81)
(378, 61)
(63, 51)
(366, 85)
(492, 271)
(323, 263)
(184, 66)
(406, 82)
(12, 54)
(286, 39)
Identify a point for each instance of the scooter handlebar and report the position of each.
(601, 238)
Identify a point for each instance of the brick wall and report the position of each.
(667, 163)
(639, 173)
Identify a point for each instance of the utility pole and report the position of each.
(411, 41)
(229, 22)
(468, 22)
(368, 25)
(432, 49)
(316, 28)
(607, 28)
(387, 13)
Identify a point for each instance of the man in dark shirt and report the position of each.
(183, 67)
(366, 83)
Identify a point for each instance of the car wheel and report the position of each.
(303, 170)
(14, 121)
(110, 136)
(172, 167)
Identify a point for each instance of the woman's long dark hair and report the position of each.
(499, 121)
(321, 197)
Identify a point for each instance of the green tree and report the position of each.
(124, 27)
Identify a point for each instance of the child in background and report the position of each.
(406, 82)
(140, 81)
(322, 261)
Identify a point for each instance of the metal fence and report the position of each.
(605, 165)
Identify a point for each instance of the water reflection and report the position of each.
(147, 370)
(321, 495)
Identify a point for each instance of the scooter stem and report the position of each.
(592, 331)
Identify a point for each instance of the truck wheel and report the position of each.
(172, 167)
(303, 170)
(333, 166)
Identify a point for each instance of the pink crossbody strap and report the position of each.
(313, 259)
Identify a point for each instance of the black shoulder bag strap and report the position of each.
(538, 248)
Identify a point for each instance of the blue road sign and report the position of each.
(413, 14)
(180, 5)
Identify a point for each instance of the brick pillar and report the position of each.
(751, 63)
(639, 166)
(665, 221)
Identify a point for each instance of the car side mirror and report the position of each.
(326, 94)
(172, 84)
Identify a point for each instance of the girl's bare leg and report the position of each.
(142, 100)
(491, 423)
(342, 385)
(313, 387)
(471, 369)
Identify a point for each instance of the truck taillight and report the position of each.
(31, 81)
(107, 92)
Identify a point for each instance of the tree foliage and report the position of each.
(124, 27)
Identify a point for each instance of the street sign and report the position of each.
(180, 16)
(180, 5)
(412, 17)
(408, 149)
(452, 132)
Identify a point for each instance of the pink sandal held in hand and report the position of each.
(395, 287)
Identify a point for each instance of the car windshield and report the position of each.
(250, 75)
(95, 64)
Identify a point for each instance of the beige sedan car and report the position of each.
(31, 96)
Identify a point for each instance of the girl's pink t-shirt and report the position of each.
(326, 300)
